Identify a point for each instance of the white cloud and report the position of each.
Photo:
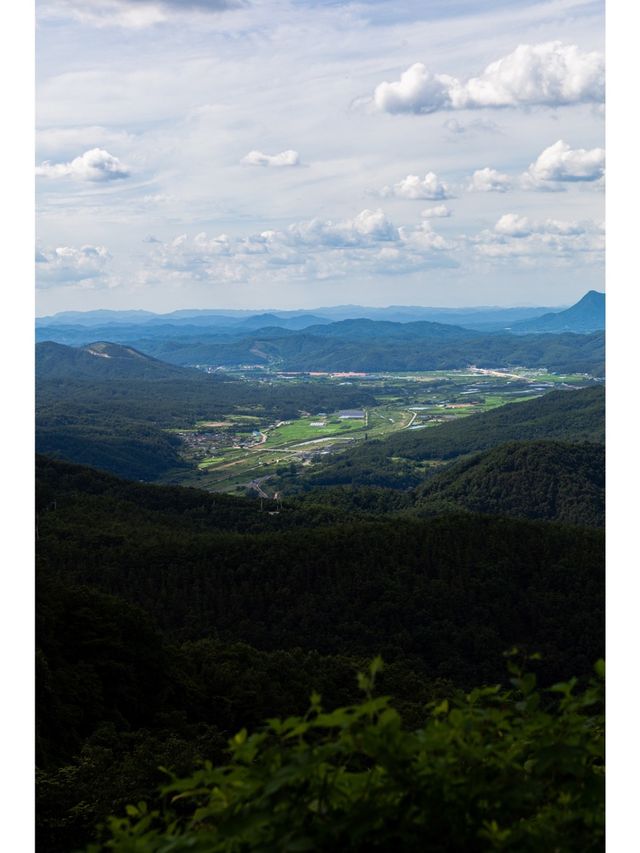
(414, 187)
(284, 158)
(478, 125)
(513, 225)
(94, 165)
(316, 249)
(549, 74)
(440, 211)
(560, 163)
(369, 226)
(424, 238)
(535, 242)
(66, 265)
(131, 14)
(489, 181)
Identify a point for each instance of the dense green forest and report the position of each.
(539, 479)
(551, 480)
(169, 618)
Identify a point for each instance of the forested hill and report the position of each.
(539, 479)
(358, 344)
(451, 592)
(370, 346)
(563, 415)
(170, 618)
(100, 360)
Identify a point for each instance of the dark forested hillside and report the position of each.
(168, 618)
(556, 481)
(296, 582)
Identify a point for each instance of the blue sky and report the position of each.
(213, 153)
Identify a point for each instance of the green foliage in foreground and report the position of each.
(495, 769)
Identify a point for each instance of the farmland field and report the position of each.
(239, 452)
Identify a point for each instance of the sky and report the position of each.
(298, 154)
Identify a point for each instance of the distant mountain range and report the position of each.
(200, 327)
(230, 319)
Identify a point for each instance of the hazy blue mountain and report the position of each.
(471, 316)
(102, 316)
(587, 315)
(365, 329)
(299, 321)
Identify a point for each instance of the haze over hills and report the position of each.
(481, 315)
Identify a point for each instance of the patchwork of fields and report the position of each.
(237, 453)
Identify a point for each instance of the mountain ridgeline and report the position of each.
(587, 315)
(100, 360)
(312, 342)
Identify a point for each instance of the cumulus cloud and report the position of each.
(440, 211)
(489, 181)
(549, 74)
(368, 227)
(513, 225)
(413, 187)
(559, 163)
(316, 249)
(67, 265)
(284, 158)
(531, 242)
(95, 165)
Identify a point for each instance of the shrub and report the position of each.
(496, 769)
